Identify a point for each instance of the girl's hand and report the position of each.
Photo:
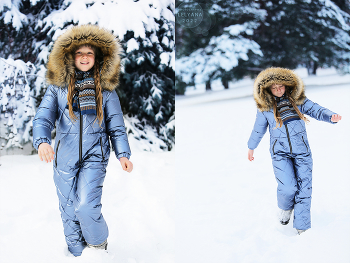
(250, 155)
(126, 164)
(335, 118)
(45, 152)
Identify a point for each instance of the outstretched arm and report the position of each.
(318, 112)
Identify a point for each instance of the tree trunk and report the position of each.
(314, 68)
(224, 83)
(207, 85)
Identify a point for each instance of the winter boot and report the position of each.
(300, 231)
(100, 246)
(285, 216)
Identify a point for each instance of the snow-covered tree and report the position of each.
(227, 46)
(303, 32)
(17, 107)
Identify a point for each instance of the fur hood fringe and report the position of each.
(61, 66)
(263, 97)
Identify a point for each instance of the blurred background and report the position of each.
(238, 39)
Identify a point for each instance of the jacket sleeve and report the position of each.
(316, 111)
(115, 126)
(259, 130)
(45, 118)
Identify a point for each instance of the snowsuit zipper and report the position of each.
(80, 138)
(58, 144)
(307, 148)
(290, 145)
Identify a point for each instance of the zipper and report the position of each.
(58, 144)
(273, 147)
(290, 145)
(80, 138)
(307, 148)
(103, 157)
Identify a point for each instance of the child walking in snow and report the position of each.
(83, 71)
(280, 98)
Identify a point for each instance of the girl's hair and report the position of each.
(277, 115)
(97, 77)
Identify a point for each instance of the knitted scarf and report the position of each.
(286, 110)
(84, 99)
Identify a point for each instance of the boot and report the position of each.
(285, 216)
(300, 231)
(100, 246)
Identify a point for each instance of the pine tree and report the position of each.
(227, 47)
(306, 33)
(147, 86)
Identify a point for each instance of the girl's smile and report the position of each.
(84, 58)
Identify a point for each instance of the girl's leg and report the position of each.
(65, 182)
(88, 202)
(287, 184)
(303, 172)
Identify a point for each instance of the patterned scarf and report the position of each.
(286, 109)
(84, 99)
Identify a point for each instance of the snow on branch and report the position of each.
(223, 52)
(16, 102)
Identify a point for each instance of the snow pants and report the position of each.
(79, 191)
(294, 177)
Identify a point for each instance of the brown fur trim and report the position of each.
(61, 61)
(262, 95)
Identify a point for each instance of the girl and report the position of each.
(280, 98)
(83, 70)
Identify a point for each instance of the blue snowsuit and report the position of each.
(82, 151)
(82, 147)
(291, 159)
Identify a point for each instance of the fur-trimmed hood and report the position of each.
(61, 66)
(263, 97)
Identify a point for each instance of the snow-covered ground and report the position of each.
(220, 208)
(226, 206)
(138, 208)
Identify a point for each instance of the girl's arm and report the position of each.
(258, 132)
(45, 118)
(115, 127)
(318, 112)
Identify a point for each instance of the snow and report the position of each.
(132, 45)
(226, 207)
(138, 208)
(119, 16)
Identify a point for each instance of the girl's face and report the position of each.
(278, 90)
(84, 58)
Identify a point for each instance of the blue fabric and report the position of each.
(291, 159)
(79, 184)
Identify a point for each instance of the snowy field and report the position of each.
(138, 208)
(220, 208)
(226, 207)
